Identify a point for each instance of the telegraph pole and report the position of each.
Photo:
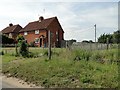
(49, 45)
(95, 32)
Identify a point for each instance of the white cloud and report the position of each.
(61, 0)
(77, 19)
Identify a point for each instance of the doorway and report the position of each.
(40, 42)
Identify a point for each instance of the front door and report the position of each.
(40, 42)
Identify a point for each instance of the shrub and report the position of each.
(24, 49)
(1, 53)
(6, 40)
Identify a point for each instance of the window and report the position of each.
(36, 40)
(56, 33)
(36, 31)
(52, 34)
(10, 35)
(25, 33)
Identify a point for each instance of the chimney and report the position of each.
(41, 18)
(10, 24)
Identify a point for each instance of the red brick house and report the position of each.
(37, 32)
(12, 30)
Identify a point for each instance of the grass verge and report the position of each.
(63, 70)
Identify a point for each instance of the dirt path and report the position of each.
(15, 83)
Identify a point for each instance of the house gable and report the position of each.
(12, 29)
(37, 25)
(56, 28)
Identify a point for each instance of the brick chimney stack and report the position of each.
(10, 24)
(41, 18)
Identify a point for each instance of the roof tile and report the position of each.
(38, 25)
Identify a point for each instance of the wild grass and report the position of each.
(91, 69)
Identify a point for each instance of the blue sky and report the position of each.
(76, 17)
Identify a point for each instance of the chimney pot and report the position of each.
(10, 24)
(41, 18)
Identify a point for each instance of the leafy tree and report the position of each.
(90, 41)
(20, 38)
(103, 38)
(23, 50)
(113, 38)
(85, 41)
(116, 36)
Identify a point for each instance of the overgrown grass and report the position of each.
(91, 70)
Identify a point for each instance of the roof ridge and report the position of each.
(38, 25)
(15, 26)
(10, 28)
(44, 19)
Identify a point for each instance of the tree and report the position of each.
(113, 38)
(103, 38)
(90, 41)
(116, 36)
(20, 38)
(85, 41)
(23, 50)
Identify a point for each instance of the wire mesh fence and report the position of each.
(93, 46)
(89, 46)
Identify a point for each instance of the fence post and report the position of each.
(16, 49)
(107, 43)
(49, 45)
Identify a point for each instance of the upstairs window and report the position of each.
(10, 35)
(25, 33)
(37, 32)
(56, 32)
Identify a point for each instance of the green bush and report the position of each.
(1, 53)
(24, 49)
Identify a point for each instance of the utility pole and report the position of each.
(49, 45)
(95, 32)
(107, 43)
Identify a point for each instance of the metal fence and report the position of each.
(93, 46)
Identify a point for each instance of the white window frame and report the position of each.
(36, 41)
(25, 33)
(56, 32)
(10, 35)
(37, 31)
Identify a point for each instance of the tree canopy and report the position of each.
(112, 38)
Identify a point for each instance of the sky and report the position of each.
(77, 17)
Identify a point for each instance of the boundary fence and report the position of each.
(93, 46)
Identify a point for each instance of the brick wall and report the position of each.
(55, 27)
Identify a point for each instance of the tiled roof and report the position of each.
(10, 29)
(38, 25)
